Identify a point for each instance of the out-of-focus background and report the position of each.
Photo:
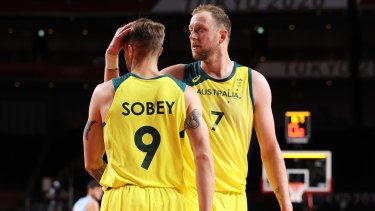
(317, 55)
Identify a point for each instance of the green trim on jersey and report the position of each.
(251, 86)
(118, 81)
(196, 75)
(181, 84)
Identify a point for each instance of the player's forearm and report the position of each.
(205, 178)
(276, 173)
(111, 67)
(96, 169)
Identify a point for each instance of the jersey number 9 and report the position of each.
(149, 149)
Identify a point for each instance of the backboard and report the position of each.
(313, 168)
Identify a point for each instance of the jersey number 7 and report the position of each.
(220, 115)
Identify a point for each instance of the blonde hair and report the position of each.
(218, 14)
(147, 34)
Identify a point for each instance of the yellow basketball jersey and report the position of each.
(228, 112)
(142, 133)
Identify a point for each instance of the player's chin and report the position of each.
(194, 55)
(198, 56)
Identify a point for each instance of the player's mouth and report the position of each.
(195, 47)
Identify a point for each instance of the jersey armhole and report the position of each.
(251, 86)
(186, 77)
(179, 83)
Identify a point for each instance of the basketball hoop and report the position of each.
(296, 190)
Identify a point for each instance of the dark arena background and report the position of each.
(317, 55)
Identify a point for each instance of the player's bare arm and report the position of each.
(270, 150)
(176, 71)
(93, 141)
(192, 120)
(197, 131)
(87, 129)
(111, 69)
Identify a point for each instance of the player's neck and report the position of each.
(218, 66)
(146, 68)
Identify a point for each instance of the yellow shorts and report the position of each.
(229, 201)
(135, 198)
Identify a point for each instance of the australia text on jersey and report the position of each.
(148, 108)
(223, 93)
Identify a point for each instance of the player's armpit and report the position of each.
(97, 173)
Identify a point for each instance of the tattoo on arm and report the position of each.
(192, 120)
(98, 173)
(88, 126)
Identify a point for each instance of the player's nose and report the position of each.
(193, 35)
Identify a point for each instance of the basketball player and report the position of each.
(90, 201)
(138, 120)
(235, 98)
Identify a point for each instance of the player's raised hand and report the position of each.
(115, 46)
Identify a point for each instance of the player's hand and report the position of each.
(115, 46)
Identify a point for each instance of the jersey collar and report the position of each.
(205, 75)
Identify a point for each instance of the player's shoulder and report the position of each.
(191, 95)
(190, 92)
(258, 77)
(103, 87)
(176, 71)
(183, 72)
(260, 86)
(103, 90)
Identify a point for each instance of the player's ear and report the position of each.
(223, 35)
(131, 51)
(161, 50)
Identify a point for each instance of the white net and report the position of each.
(296, 190)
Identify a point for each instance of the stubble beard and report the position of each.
(201, 56)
